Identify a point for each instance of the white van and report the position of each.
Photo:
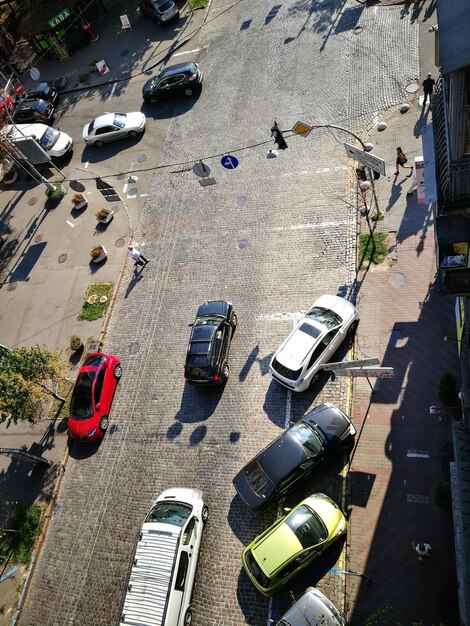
(54, 142)
(164, 569)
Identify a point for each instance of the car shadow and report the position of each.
(167, 109)
(246, 526)
(251, 602)
(81, 450)
(94, 154)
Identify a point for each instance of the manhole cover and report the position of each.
(11, 286)
(318, 247)
(412, 87)
(396, 279)
(62, 258)
(115, 209)
(92, 299)
(395, 339)
(120, 243)
(240, 202)
(243, 244)
(142, 158)
(124, 53)
(120, 176)
(38, 238)
(134, 348)
(32, 201)
(132, 192)
(76, 186)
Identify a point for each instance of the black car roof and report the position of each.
(179, 68)
(281, 457)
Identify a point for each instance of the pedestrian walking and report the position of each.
(421, 549)
(402, 161)
(428, 87)
(139, 258)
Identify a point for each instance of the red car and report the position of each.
(92, 396)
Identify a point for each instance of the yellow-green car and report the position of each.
(292, 542)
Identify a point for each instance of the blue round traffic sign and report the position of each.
(229, 162)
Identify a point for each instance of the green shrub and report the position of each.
(448, 390)
(17, 547)
(96, 309)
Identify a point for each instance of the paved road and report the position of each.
(271, 237)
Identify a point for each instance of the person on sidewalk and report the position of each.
(402, 161)
(139, 258)
(428, 88)
(422, 549)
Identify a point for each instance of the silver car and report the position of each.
(296, 364)
(312, 609)
(111, 126)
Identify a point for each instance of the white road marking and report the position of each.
(178, 54)
(281, 317)
(70, 224)
(321, 225)
(143, 195)
(113, 90)
(124, 189)
(413, 498)
(417, 454)
(87, 164)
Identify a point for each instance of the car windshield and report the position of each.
(308, 438)
(81, 405)
(307, 526)
(49, 138)
(204, 321)
(173, 513)
(91, 126)
(95, 360)
(324, 316)
(40, 105)
(119, 120)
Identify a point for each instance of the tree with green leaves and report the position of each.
(26, 375)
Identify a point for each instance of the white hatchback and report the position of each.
(296, 364)
(54, 142)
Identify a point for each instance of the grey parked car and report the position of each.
(312, 609)
(163, 11)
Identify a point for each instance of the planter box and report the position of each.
(107, 219)
(101, 257)
(81, 205)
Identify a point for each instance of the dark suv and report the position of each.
(209, 344)
(183, 79)
(33, 111)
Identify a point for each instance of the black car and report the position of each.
(183, 79)
(275, 470)
(33, 111)
(209, 343)
(43, 91)
(163, 11)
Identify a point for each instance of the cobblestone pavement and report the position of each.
(271, 237)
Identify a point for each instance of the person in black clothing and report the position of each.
(428, 87)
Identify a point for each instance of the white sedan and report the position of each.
(296, 364)
(111, 126)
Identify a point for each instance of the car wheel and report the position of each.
(104, 423)
(352, 329)
(315, 377)
(188, 618)
(234, 320)
(117, 371)
(226, 372)
(132, 133)
(188, 92)
(205, 514)
(98, 144)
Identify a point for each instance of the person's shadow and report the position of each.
(136, 277)
(396, 192)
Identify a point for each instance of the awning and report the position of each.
(429, 157)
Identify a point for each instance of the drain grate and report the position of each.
(32, 201)
(243, 244)
(120, 243)
(62, 258)
(11, 286)
(240, 202)
(134, 348)
(38, 238)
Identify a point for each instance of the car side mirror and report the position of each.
(189, 325)
(286, 509)
(97, 406)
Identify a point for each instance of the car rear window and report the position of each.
(199, 347)
(285, 371)
(199, 373)
(81, 405)
(164, 6)
(257, 479)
